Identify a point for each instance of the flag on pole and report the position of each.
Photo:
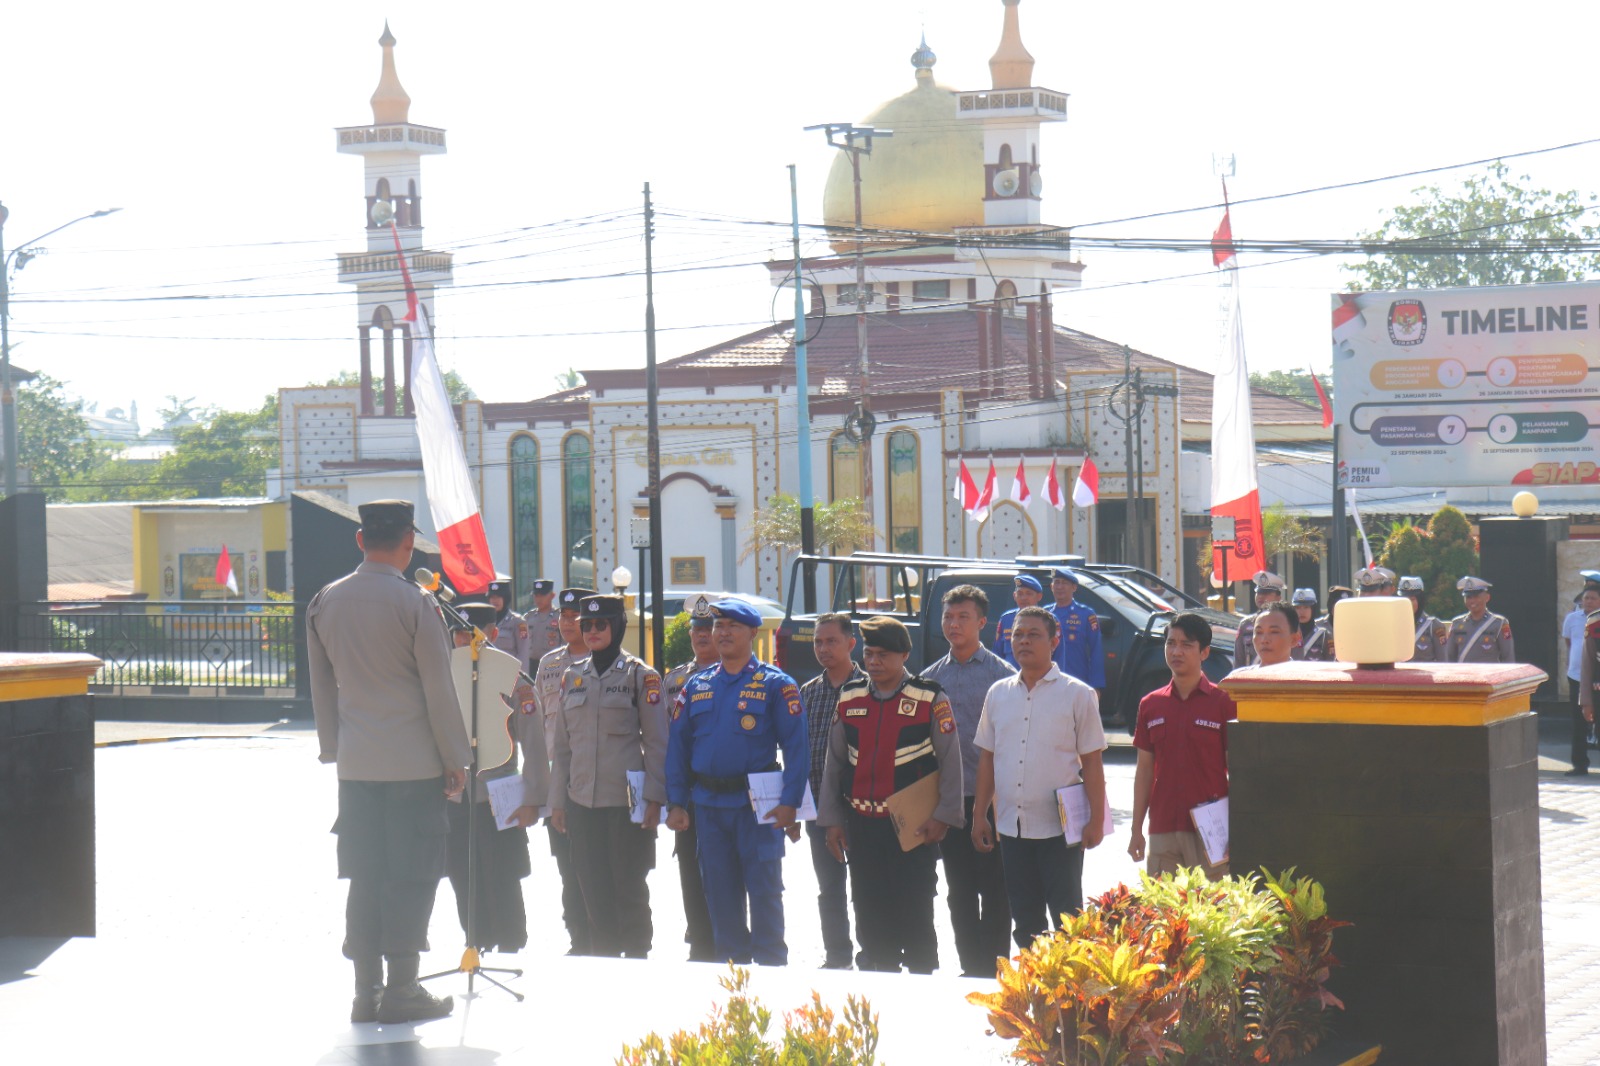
(225, 576)
(1234, 490)
(966, 489)
(1052, 488)
(1322, 398)
(1086, 493)
(1222, 241)
(1019, 485)
(463, 544)
(980, 510)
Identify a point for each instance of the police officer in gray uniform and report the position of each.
(511, 631)
(611, 721)
(1480, 635)
(544, 631)
(685, 844)
(1375, 581)
(387, 715)
(547, 693)
(1269, 589)
(1431, 633)
(1316, 634)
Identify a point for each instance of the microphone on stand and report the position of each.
(430, 581)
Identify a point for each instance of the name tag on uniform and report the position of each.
(701, 696)
(1207, 724)
(753, 694)
(855, 712)
(1155, 722)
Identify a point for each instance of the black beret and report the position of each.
(544, 585)
(500, 586)
(387, 515)
(599, 606)
(887, 633)
(569, 598)
(482, 615)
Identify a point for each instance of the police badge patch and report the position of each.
(652, 690)
(908, 707)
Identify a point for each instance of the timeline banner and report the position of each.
(1476, 386)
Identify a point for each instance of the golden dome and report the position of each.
(390, 103)
(927, 177)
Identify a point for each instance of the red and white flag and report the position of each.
(1322, 398)
(1052, 488)
(980, 510)
(1222, 240)
(966, 489)
(225, 576)
(1019, 485)
(463, 544)
(1234, 491)
(1086, 493)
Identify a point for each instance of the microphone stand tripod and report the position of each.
(471, 962)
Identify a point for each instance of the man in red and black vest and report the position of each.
(892, 729)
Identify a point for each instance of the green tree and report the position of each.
(53, 445)
(777, 525)
(229, 454)
(569, 379)
(1295, 384)
(1440, 553)
(1486, 211)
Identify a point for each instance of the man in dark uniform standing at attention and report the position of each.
(387, 715)
(544, 629)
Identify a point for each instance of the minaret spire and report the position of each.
(1011, 67)
(389, 101)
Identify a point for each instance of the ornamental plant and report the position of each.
(1181, 970)
(736, 1035)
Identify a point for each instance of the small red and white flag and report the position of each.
(463, 544)
(1348, 320)
(1222, 239)
(1019, 485)
(966, 492)
(1322, 398)
(224, 575)
(1086, 493)
(980, 510)
(1052, 488)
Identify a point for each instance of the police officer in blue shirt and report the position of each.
(1027, 593)
(728, 722)
(1079, 653)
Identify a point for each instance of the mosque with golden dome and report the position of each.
(965, 363)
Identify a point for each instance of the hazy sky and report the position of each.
(211, 125)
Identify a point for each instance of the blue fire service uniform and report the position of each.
(1079, 653)
(1002, 635)
(725, 726)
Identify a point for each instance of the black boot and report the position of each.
(404, 1000)
(369, 989)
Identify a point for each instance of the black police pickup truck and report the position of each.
(1134, 607)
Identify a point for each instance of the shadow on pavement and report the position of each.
(408, 1053)
(19, 954)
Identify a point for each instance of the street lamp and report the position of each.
(8, 396)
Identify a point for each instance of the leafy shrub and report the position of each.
(736, 1035)
(675, 646)
(1183, 970)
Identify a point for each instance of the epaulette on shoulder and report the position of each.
(921, 688)
(855, 686)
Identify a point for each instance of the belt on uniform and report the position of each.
(726, 785)
(874, 808)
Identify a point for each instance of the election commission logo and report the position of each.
(1408, 322)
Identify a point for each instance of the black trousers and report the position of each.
(833, 898)
(975, 889)
(573, 914)
(612, 857)
(499, 917)
(1045, 880)
(392, 851)
(893, 892)
(1580, 732)
(696, 914)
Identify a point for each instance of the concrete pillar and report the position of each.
(727, 510)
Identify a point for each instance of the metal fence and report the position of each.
(170, 647)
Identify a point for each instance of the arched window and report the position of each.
(845, 478)
(524, 516)
(905, 492)
(577, 497)
(1005, 295)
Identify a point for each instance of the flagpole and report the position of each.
(658, 620)
(808, 521)
(1338, 533)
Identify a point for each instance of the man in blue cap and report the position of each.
(1079, 654)
(1027, 591)
(685, 846)
(728, 722)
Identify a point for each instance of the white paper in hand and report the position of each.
(505, 796)
(1211, 822)
(766, 792)
(1073, 803)
(636, 800)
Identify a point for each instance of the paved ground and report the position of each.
(220, 923)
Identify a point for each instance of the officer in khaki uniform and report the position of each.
(387, 715)
(1316, 634)
(547, 694)
(1269, 589)
(1375, 581)
(611, 721)
(511, 631)
(1480, 635)
(685, 842)
(1431, 633)
(544, 630)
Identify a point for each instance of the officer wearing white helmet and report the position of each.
(1480, 635)
(1316, 634)
(1431, 634)
(1269, 589)
(1375, 581)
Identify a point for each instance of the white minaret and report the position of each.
(1011, 113)
(392, 148)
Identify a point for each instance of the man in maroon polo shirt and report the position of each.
(1183, 754)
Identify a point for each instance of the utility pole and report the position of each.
(808, 516)
(658, 622)
(857, 141)
(1130, 393)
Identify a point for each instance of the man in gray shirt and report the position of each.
(976, 880)
(387, 715)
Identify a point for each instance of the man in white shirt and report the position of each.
(1039, 731)
(1572, 629)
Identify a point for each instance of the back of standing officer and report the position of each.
(729, 722)
(387, 715)
(1480, 635)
